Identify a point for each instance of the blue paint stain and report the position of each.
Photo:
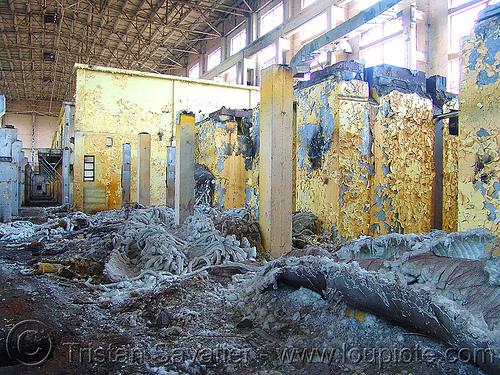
(383, 152)
(220, 163)
(483, 79)
(480, 186)
(386, 110)
(380, 215)
(473, 59)
(386, 169)
(248, 194)
(375, 229)
(482, 133)
(378, 200)
(493, 212)
(380, 188)
(493, 46)
(220, 197)
(496, 186)
(366, 144)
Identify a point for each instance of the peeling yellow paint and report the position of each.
(450, 173)
(334, 114)
(479, 139)
(375, 174)
(402, 188)
(217, 148)
(119, 104)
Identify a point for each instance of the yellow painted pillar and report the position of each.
(276, 143)
(143, 168)
(184, 168)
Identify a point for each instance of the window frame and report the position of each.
(217, 51)
(238, 35)
(195, 66)
(263, 30)
(89, 168)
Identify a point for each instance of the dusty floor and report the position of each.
(210, 322)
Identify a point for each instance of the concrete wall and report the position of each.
(227, 146)
(364, 153)
(118, 104)
(20, 117)
(365, 167)
(479, 167)
(332, 147)
(402, 188)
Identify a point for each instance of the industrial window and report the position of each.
(267, 56)
(88, 168)
(384, 44)
(239, 41)
(462, 17)
(306, 3)
(363, 4)
(272, 19)
(315, 26)
(194, 72)
(214, 59)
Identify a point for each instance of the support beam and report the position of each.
(126, 173)
(17, 147)
(22, 187)
(171, 177)
(66, 156)
(7, 137)
(302, 59)
(184, 167)
(275, 176)
(143, 168)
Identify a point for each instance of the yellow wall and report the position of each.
(375, 170)
(450, 173)
(332, 146)
(479, 149)
(120, 104)
(402, 189)
(225, 153)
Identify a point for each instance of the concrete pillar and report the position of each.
(23, 180)
(17, 148)
(7, 137)
(66, 156)
(410, 38)
(240, 72)
(170, 177)
(276, 142)
(184, 168)
(126, 173)
(20, 173)
(143, 168)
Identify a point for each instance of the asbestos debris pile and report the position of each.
(134, 241)
(444, 286)
(192, 299)
(149, 242)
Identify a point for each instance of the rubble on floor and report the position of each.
(193, 299)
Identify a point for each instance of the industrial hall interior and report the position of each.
(250, 187)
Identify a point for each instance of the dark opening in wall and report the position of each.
(453, 128)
